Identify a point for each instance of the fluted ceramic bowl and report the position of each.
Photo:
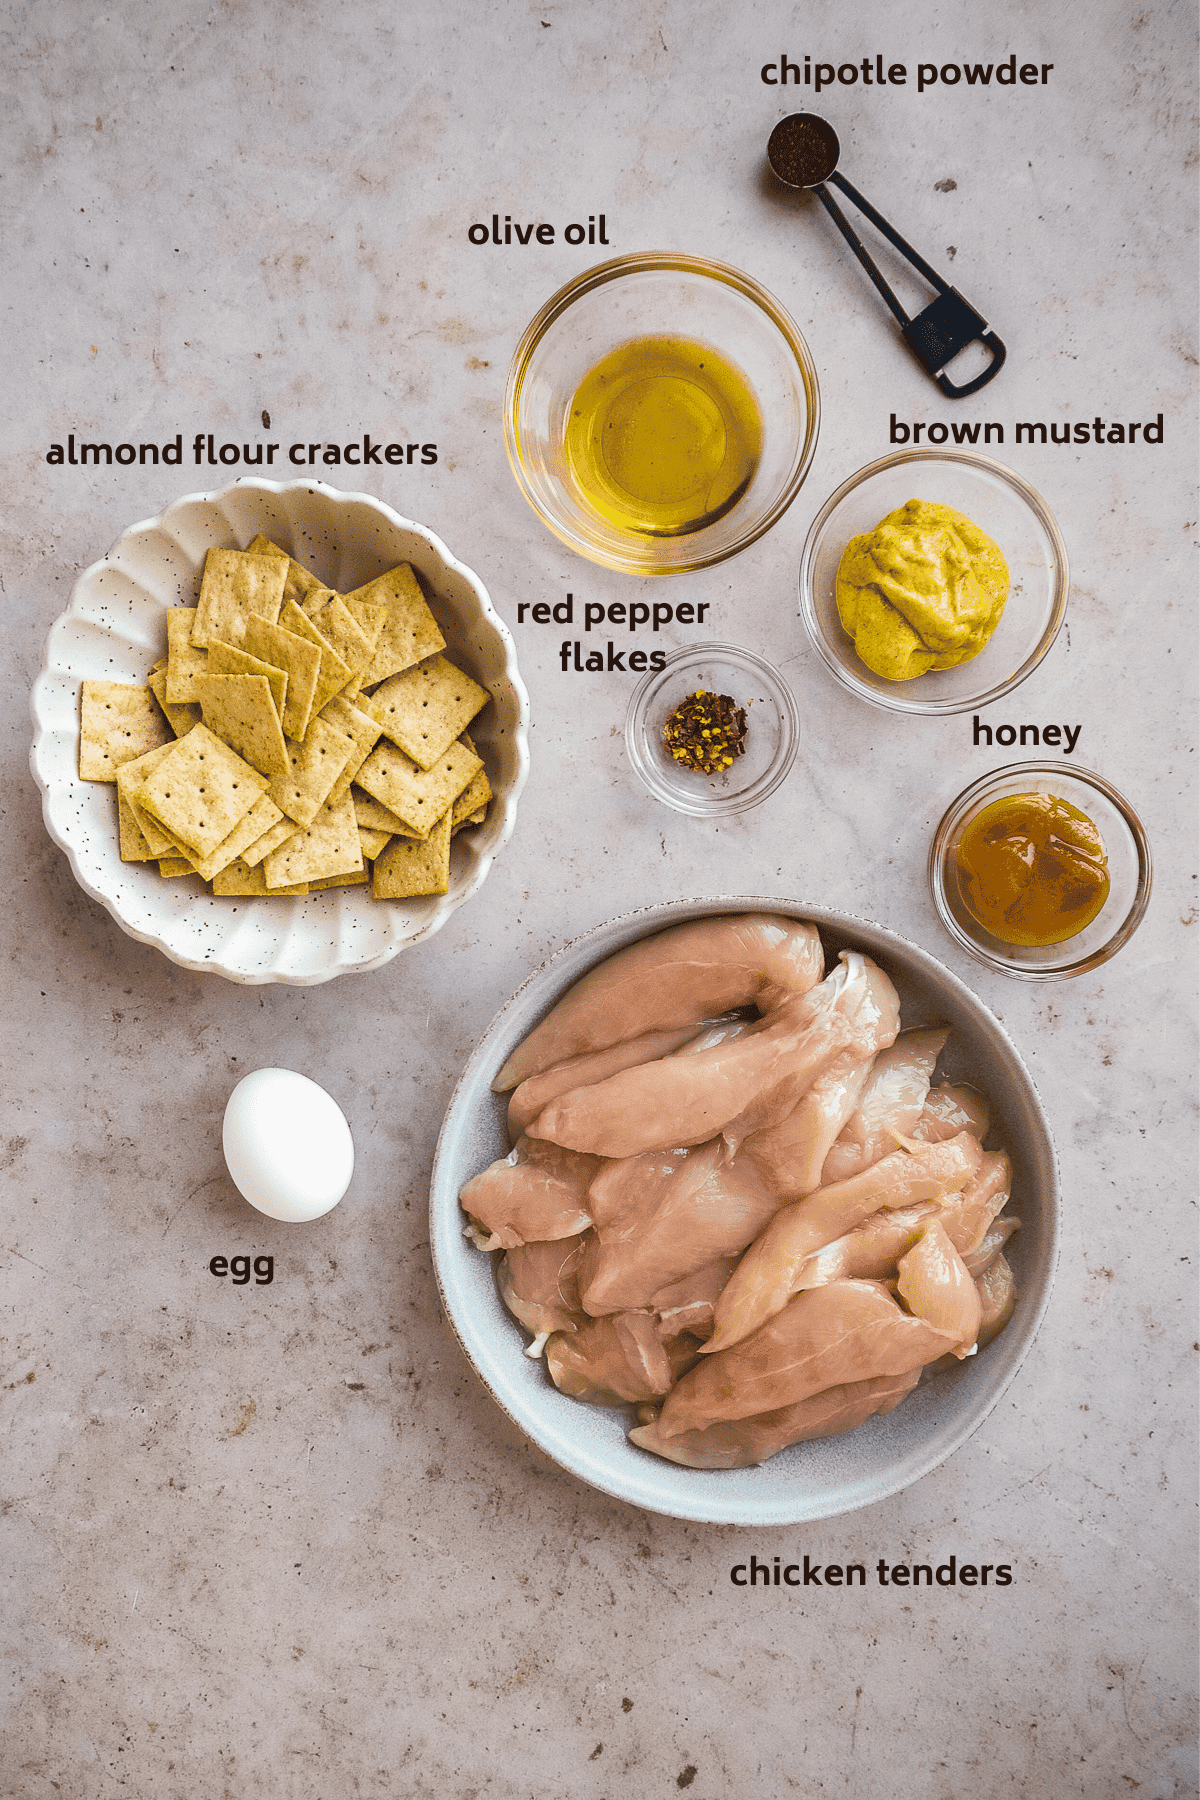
(115, 629)
(816, 1480)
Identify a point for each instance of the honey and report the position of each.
(1032, 869)
(663, 437)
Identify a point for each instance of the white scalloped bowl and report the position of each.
(114, 629)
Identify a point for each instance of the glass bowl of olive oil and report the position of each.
(661, 413)
(1041, 870)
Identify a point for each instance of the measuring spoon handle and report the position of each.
(947, 325)
(891, 234)
(851, 236)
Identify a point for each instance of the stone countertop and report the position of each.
(279, 1540)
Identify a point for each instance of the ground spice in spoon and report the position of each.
(803, 150)
(706, 732)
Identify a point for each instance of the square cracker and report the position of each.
(371, 620)
(339, 627)
(418, 797)
(410, 631)
(201, 788)
(423, 709)
(372, 842)
(315, 601)
(329, 846)
(300, 581)
(241, 712)
(409, 867)
(471, 806)
(358, 879)
(118, 722)
(473, 800)
(334, 672)
(180, 718)
(302, 662)
(362, 729)
(373, 815)
(263, 815)
(236, 584)
(239, 878)
(225, 659)
(131, 778)
(184, 661)
(135, 846)
(270, 840)
(314, 766)
(172, 866)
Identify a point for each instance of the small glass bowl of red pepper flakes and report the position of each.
(714, 731)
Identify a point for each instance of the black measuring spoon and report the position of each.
(803, 152)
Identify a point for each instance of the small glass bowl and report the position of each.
(772, 730)
(1014, 516)
(659, 295)
(1129, 872)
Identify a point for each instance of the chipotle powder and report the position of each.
(705, 732)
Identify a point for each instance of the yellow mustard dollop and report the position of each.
(924, 590)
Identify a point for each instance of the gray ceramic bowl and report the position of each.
(810, 1481)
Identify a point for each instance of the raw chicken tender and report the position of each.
(766, 1275)
(869, 1252)
(613, 1361)
(792, 1153)
(528, 1100)
(537, 1191)
(737, 1443)
(876, 1246)
(890, 1106)
(968, 1215)
(949, 1110)
(735, 1087)
(936, 1286)
(660, 1217)
(998, 1297)
(680, 977)
(980, 1260)
(689, 1304)
(848, 1331)
(539, 1284)
(860, 992)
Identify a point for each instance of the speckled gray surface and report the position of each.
(278, 1540)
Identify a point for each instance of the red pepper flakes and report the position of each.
(705, 732)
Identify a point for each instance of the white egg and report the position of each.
(287, 1145)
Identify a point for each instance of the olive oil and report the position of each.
(664, 436)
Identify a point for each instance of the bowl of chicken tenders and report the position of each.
(745, 1211)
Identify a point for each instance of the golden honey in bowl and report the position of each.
(664, 436)
(1032, 869)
